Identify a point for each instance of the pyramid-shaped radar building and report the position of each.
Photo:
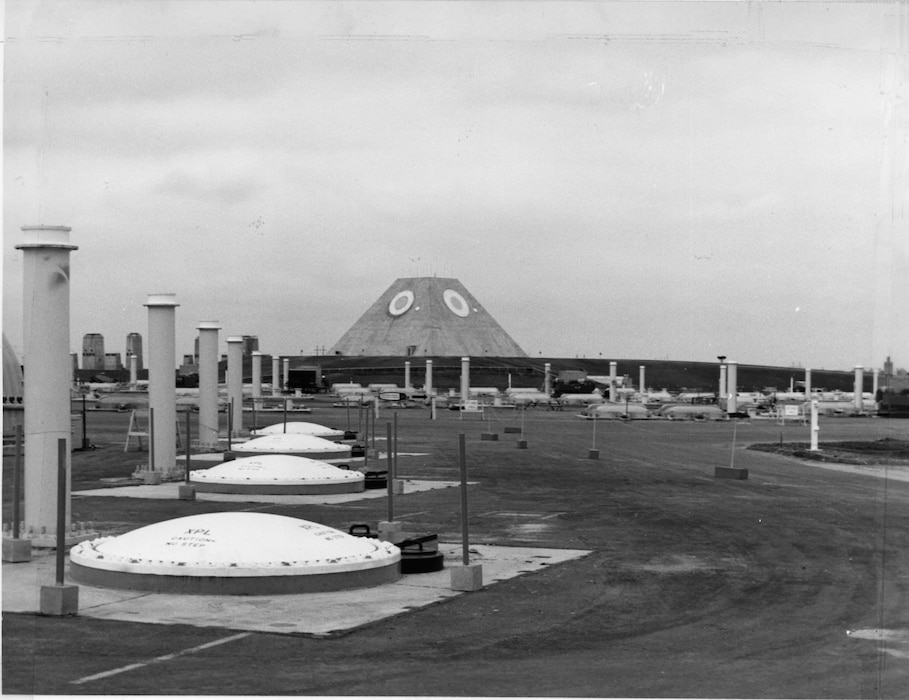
(427, 316)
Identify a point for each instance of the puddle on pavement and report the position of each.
(896, 641)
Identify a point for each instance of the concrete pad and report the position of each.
(312, 613)
(171, 491)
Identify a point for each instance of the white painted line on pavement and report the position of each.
(166, 657)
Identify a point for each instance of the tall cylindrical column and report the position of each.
(208, 384)
(641, 386)
(48, 371)
(732, 386)
(721, 391)
(407, 375)
(613, 367)
(133, 372)
(547, 379)
(276, 376)
(807, 383)
(162, 384)
(428, 383)
(465, 379)
(235, 382)
(858, 387)
(286, 373)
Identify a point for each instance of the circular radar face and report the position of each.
(456, 304)
(401, 303)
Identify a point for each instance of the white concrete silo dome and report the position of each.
(302, 428)
(235, 554)
(277, 474)
(295, 444)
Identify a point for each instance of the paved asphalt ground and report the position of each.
(792, 583)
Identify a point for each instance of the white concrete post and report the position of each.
(162, 383)
(814, 426)
(48, 372)
(465, 379)
(612, 377)
(547, 379)
(257, 378)
(235, 382)
(275, 376)
(732, 386)
(133, 372)
(428, 384)
(208, 384)
(641, 387)
(857, 388)
(721, 392)
(407, 375)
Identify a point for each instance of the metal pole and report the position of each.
(230, 423)
(390, 478)
(151, 439)
(285, 414)
(17, 482)
(61, 507)
(395, 438)
(188, 443)
(465, 546)
(85, 445)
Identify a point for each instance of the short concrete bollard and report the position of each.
(151, 478)
(730, 473)
(16, 550)
(59, 600)
(522, 444)
(397, 487)
(186, 492)
(593, 454)
(228, 456)
(494, 437)
(390, 530)
(467, 577)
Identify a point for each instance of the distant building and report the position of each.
(419, 316)
(250, 345)
(112, 361)
(134, 347)
(93, 351)
(188, 366)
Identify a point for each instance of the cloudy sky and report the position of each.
(627, 180)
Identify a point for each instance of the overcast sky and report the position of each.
(621, 180)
